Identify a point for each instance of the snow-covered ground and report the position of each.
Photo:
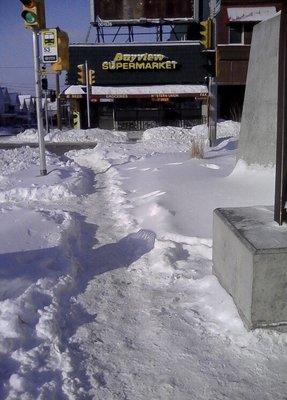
(106, 290)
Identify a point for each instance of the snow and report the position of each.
(245, 14)
(139, 90)
(94, 135)
(106, 290)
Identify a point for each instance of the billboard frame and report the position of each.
(98, 22)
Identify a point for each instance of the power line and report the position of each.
(15, 85)
(13, 66)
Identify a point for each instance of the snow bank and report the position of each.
(181, 139)
(160, 135)
(21, 182)
(225, 129)
(73, 135)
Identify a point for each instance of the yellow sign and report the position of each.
(144, 61)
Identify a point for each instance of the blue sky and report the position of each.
(16, 56)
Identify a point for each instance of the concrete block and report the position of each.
(250, 262)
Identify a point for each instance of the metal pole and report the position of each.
(212, 126)
(196, 10)
(69, 115)
(280, 214)
(88, 94)
(46, 113)
(59, 116)
(38, 88)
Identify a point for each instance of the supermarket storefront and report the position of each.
(139, 86)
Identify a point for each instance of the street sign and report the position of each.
(49, 46)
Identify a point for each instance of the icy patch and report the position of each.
(156, 193)
(210, 166)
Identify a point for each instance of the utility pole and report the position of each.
(88, 94)
(280, 214)
(38, 87)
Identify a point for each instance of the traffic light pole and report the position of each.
(38, 88)
(213, 93)
(212, 122)
(88, 94)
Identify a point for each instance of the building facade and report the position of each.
(138, 86)
(233, 27)
(153, 80)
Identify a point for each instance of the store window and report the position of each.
(235, 34)
(240, 33)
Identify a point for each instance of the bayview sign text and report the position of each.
(144, 61)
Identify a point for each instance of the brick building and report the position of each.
(233, 26)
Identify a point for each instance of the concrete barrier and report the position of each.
(257, 140)
(249, 260)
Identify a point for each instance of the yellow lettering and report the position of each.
(139, 61)
(118, 57)
(168, 65)
(112, 65)
(139, 65)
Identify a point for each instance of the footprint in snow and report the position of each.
(125, 251)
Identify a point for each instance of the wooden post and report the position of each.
(280, 214)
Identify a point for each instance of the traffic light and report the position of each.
(34, 14)
(63, 62)
(206, 33)
(53, 96)
(92, 77)
(210, 64)
(44, 84)
(81, 74)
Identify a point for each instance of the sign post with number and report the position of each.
(49, 46)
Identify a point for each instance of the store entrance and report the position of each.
(142, 114)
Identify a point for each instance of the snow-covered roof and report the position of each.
(23, 98)
(139, 90)
(249, 14)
